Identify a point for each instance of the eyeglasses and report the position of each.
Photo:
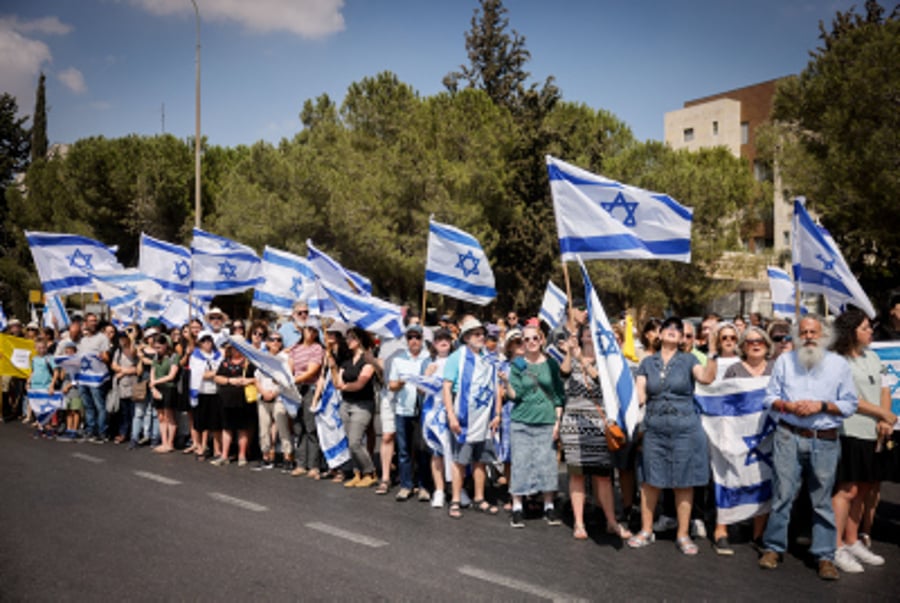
(301, 313)
(531, 339)
(278, 339)
(755, 341)
(782, 338)
(728, 338)
(258, 333)
(413, 336)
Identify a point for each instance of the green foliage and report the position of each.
(14, 152)
(838, 141)
(39, 142)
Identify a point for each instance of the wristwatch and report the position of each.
(824, 407)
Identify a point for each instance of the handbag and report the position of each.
(251, 392)
(615, 436)
(139, 391)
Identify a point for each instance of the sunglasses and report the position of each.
(278, 339)
(301, 313)
(780, 338)
(530, 339)
(755, 341)
(413, 336)
(728, 338)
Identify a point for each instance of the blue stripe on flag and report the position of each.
(70, 281)
(623, 242)
(455, 283)
(273, 300)
(751, 494)
(202, 286)
(732, 405)
(454, 235)
(167, 247)
(811, 276)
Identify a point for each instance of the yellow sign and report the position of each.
(35, 296)
(15, 356)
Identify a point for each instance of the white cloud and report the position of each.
(22, 60)
(73, 80)
(306, 18)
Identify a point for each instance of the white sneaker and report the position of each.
(437, 499)
(859, 550)
(698, 528)
(845, 561)
(665, 524)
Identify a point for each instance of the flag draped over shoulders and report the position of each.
(329, 426)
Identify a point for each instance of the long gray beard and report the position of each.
(810, 356)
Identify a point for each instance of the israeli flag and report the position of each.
(475, 395)
(178, 312)
(428, 385)
(619, 393)
(222, 266)
(65, 262)
(333, 274)
(167, 264)
(4, 322)
(44, 404)
(434, 422)
(200, 362)
(288, 278)
(819, 266)
(457, 266)
(332, 438)
(889, 354)
(55, 315)
(598, 218)
(783, 293)
(367, 312)
(86, 369)
(275, 369)
(553, 309)
(740, 433)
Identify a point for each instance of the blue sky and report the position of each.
(112, 64)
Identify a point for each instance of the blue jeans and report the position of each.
(94, 399)
(814, 461)
(406, 454)
(145, 422)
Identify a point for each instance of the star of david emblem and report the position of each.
(297, 287)
(85, 364)
(754, 454)
(607, 341)
(336, 415)
(182, 269)
(628, 206)
(827, 264)
(226, 244)
(80, 260)
(440, 422)
(896, 386)
(227, 269)
(468, 263)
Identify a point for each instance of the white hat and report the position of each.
(205, 333)
(151, 332)
(215, 310)
(33, 325)
(512, 334)
(338, 327)
(469, 324)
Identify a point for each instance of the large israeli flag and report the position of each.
(783, 293)
(616, 382)
(222, 266)
(167, 264)
(366, 311)
(273, 368)
(740, 433)
(332, 273)
(329, 426)
(457, 266)
(553, 309)
(819, 266)
(65, 262)
(598, 218)
(288, 278)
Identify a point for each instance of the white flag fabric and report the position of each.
(178, 312)
(44, 404)
(819, 266)
(553, 309)
(332, 273)
(288, 278)
(889, 354)
(740, 432)
(55, 315)
(434, 417)
(329, 426)
(616, 382)
(222, 266)
(275, 369)
(783, 293)
(598, 218)
(167, 264)
(457, 266)
(65, 262)
(366, 311)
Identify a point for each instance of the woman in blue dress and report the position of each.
(675, 453)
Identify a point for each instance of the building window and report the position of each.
(786, 238)
(688, 134)
(715, 128)
(745, 132)
(761, 171)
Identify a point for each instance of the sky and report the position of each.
(117, 67)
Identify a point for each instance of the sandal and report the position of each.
(454, 510)
(617, 529)
(383, 487)
(641, 539)
(580, 533)
(314, 474)
(485, 507)
(338, 477)
(686, 545)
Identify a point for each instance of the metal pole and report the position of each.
(197, 124)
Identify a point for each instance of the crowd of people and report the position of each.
(518, 399)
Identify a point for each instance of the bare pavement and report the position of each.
(85, 522)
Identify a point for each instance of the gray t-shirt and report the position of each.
(867, 375)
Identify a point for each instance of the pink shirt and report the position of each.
(304, 355)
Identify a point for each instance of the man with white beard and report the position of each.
(809, 394)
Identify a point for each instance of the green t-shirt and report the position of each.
(162, 367)
(539, 390)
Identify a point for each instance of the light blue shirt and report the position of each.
(290, 334)
(830, 381)
(406, 364)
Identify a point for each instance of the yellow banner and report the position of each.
(15, 356)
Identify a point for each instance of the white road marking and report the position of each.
(238, 502)
(351, 536)
(519, 585)
(162, 479)
(87, 457)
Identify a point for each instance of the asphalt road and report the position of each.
(85, 522)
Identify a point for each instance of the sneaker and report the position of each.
(288, 466)
(723, 547)
(220, 461)
(403, 495)
(367, 481)
(552, 517)
(243, 463)
(845, 561)
(859, 550)
(423, 495)
(665, 524)
(698, 528)
(437, 499)
(768, 560)
(515, 520)
(262, 465)
(143, 441)
(827, 571)
(97, 440)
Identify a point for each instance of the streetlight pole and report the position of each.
(197, 124)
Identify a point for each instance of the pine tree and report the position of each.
(39, 125)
